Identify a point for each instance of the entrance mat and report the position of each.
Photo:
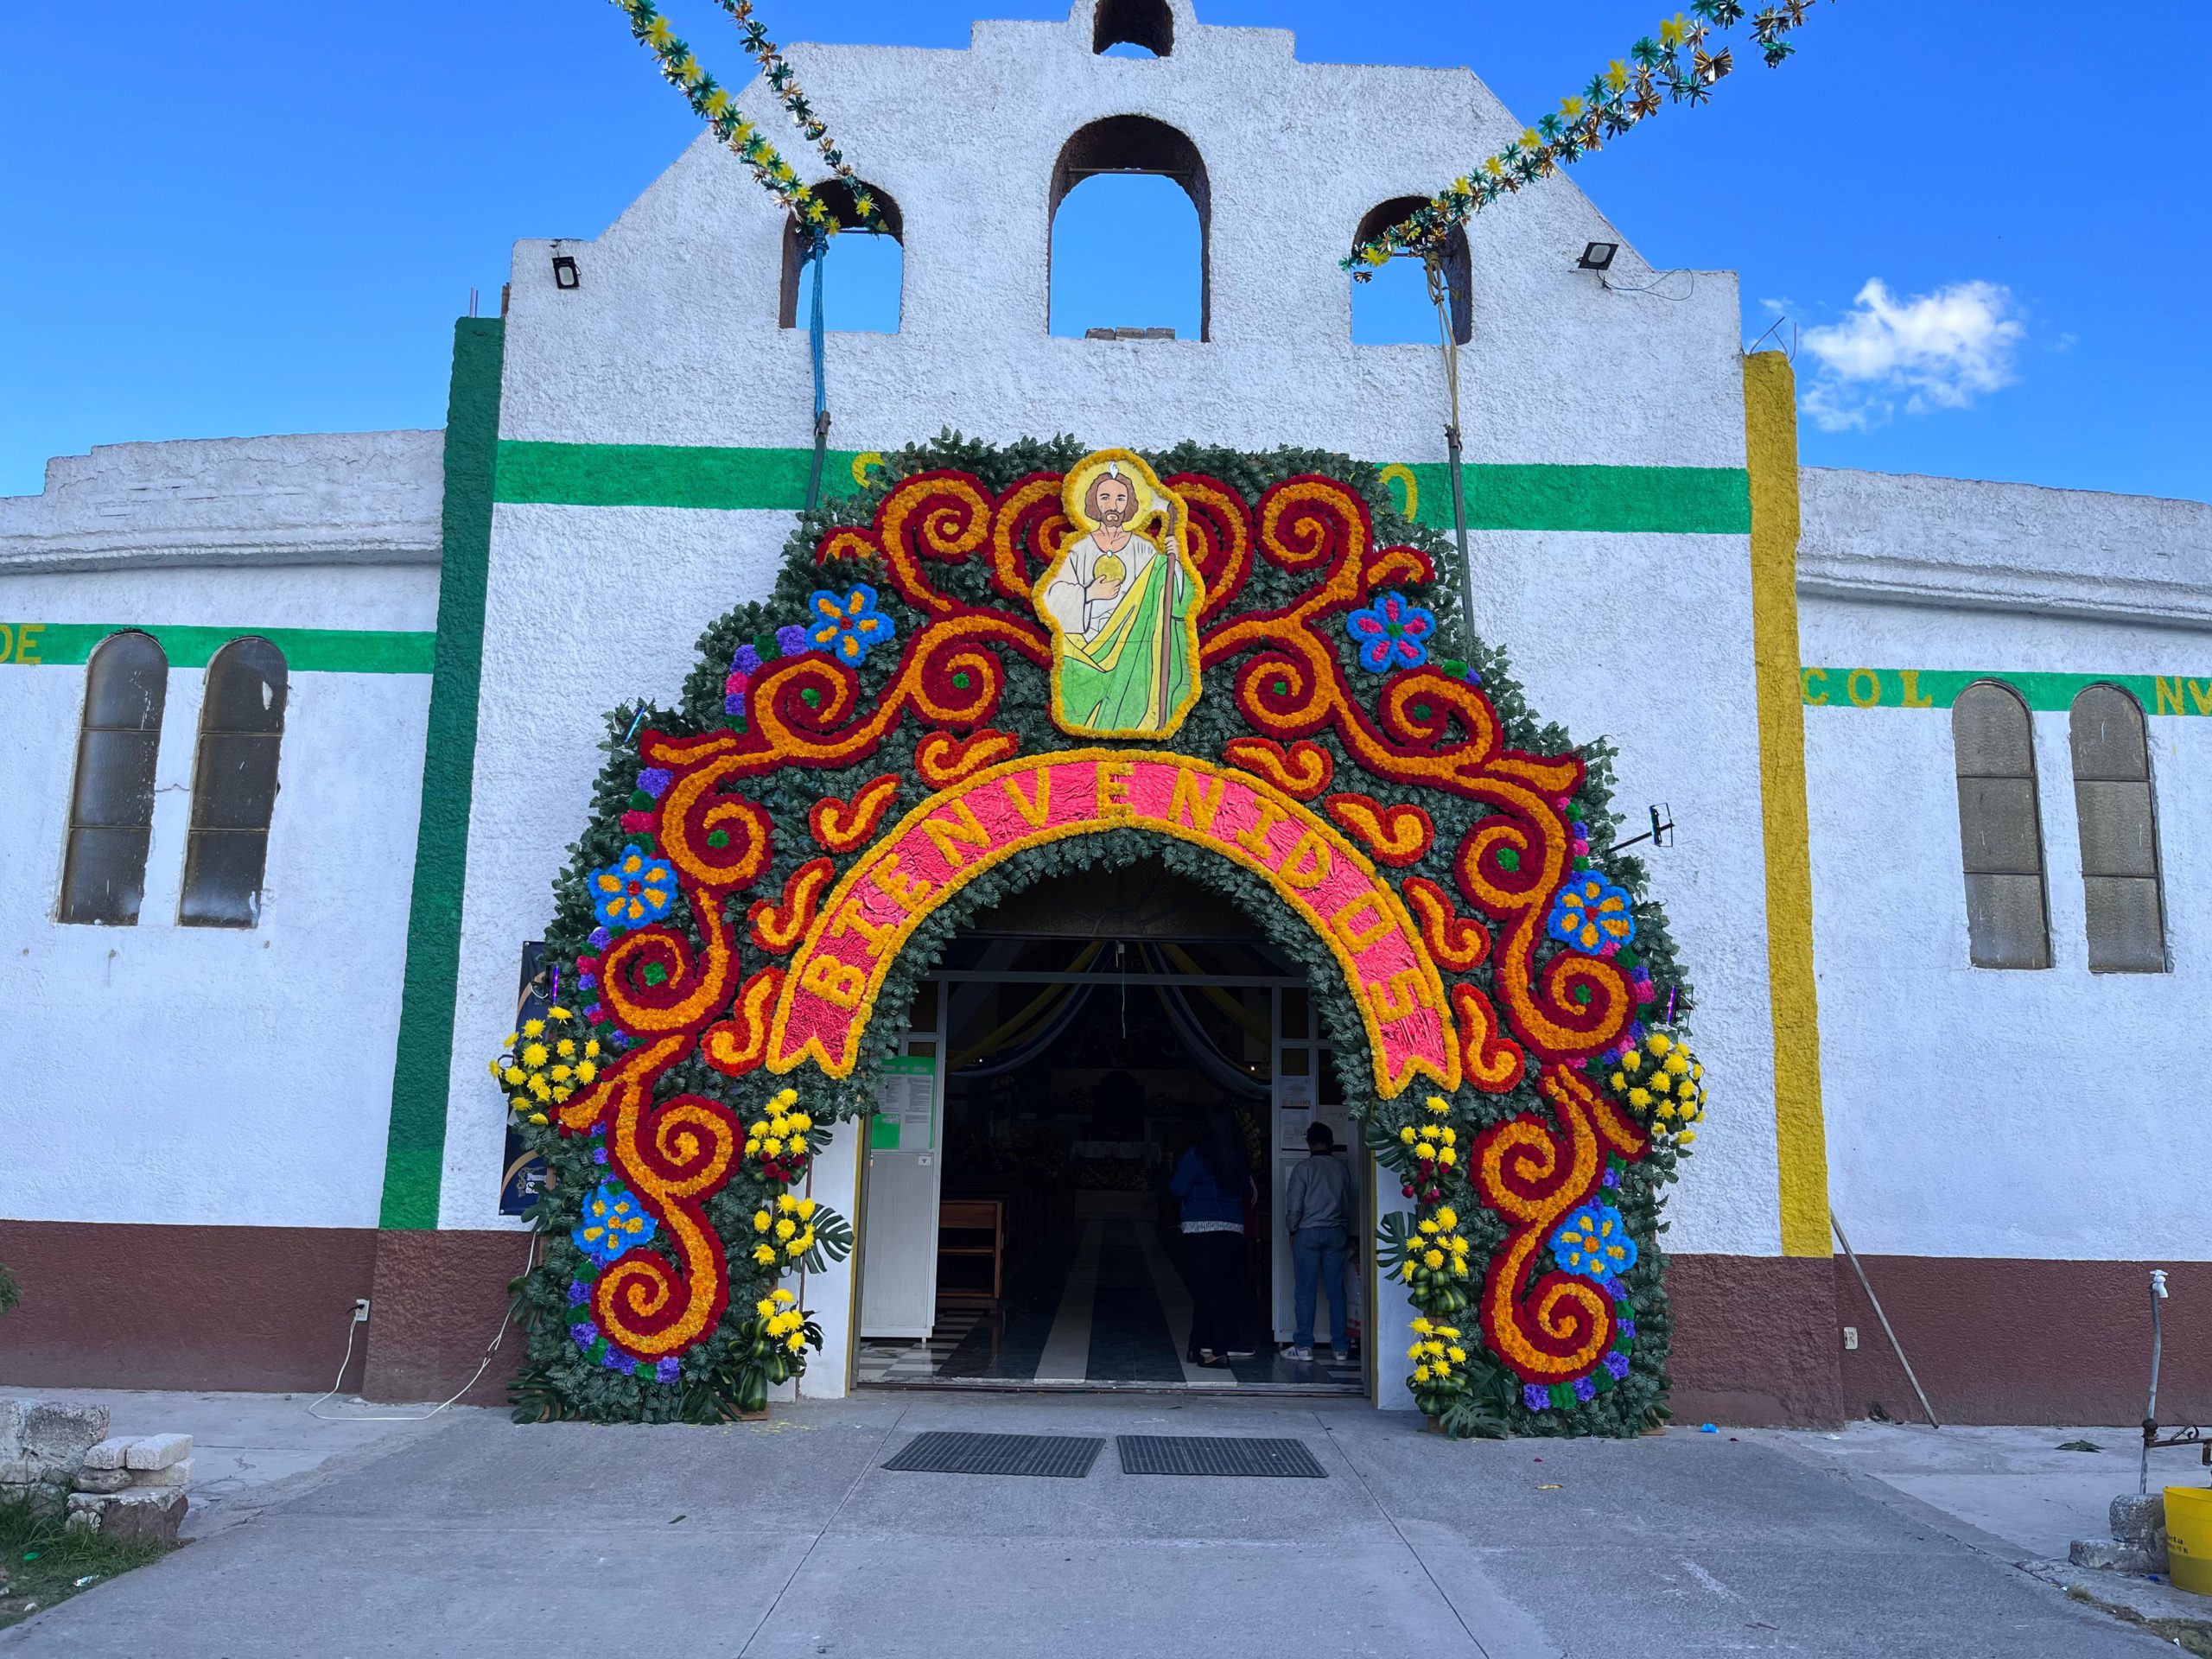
(942, 1451)
(1208, 1454)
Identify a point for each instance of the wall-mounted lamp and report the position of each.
(1597, 256)
(564, 271)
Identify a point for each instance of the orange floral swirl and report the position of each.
(669, 1155)
(1492, 1063)
(941, 515)
(944, 759)
(1554, 1326)
(739, 1044)
(1219, 525)
(1302, 771)
(840, 825)
(1397, 835)
(1457, 942)
(1028, 525)
(687, 991)
(693, 812)
(778, 922)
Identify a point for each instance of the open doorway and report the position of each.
(1020, 1227)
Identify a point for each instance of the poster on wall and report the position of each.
(906, 1106)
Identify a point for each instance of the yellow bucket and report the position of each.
(2189, 1537)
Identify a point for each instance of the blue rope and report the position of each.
(817, 256)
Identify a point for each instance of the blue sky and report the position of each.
(1988, 221)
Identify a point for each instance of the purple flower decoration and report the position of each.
(790, 639)
(1616, 1364)
(1612, 1177)
(614, 1361)
(744, 659)
(579, 1293)
(1584, 1390)
(599, 1155)
(1616, 1289)
(1474, 679)
(1628, 1328)
(1392, 632)
(1535, 1396)
(601, 938)
(667, 1368)
(585, 1333)
(655, 781)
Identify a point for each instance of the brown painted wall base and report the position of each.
(2025, 1342)
(440, 1297)
(1755, 1341)
(107, 1306)
(1758, 1340)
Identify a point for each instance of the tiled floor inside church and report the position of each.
(1100, 1303)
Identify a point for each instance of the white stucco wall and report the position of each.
(672, 338)
(1972, 1112)
(207, 1075)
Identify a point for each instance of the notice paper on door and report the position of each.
(906, 1106)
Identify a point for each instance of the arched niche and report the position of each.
(1458, 272)
(1134, 144)
(838, 195)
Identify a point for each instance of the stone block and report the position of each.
(11, 1429)
(109, 1453)
(62, 1434)
(175, 1474)
(103, 1480)
(20, 1472)
(158, 1451)
(2139, 1518)
(2109, 1555)
(134, 1516)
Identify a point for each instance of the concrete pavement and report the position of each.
(468, 1534)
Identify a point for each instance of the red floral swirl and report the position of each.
(652, 982)
(671, 1155)
(1219, 527)
(940, 515)
(1553, 1326)
(693, 812)
(1026, 528)
(1302, 771)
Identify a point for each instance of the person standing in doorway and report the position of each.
(1214, 1181)
(1320, 1213)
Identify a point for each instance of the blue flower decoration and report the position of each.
(847, 626)
(635, 889)
(1591, 913)
(1535, 1396)
(1594, 1242)
(612, 1224)
(1392, 632)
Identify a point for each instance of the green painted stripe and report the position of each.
(306, 650)
(415, 1150)
(1939, 687)
(1671, 500)
(665, 475)
(1693, 500)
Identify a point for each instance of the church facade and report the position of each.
(317, 719)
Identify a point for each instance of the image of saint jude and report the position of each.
(1122, 599)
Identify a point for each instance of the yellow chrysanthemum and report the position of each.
(764, 1254)
(785, 1228)
(1447, 1217)
(762, 1221)
(1432, 1260)
(532, 1028)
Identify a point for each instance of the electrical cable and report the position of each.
(353, 1324)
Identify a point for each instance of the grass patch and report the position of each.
(43, 1563)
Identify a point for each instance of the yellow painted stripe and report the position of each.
(1800, 1135)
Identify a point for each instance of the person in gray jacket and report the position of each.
(1319, 1210)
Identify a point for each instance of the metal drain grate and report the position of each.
(943, 1452)
(1207, 1454)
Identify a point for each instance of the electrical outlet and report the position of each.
(1850, 1334)
(360, 1310)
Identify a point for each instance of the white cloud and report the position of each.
(1933, 350)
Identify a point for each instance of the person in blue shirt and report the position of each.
(1319, 1210)
(1214, 1181)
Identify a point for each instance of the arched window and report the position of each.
(2000, 828)
(867, 270)
(1130, 212)
(112, 803)
(1393, 307)
(1133, 29)
(234, 785)
(2120, 832)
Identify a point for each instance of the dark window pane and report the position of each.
(234, 785)
(1997, 831)
(1990, 732)
(2005, 924)
(2127, 935)
(105, 877)
(2113, 808)
(126, 684)
(222, 879)
(246, 688)
(114, 779)
(2108, 737)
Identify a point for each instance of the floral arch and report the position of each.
(906, 731)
